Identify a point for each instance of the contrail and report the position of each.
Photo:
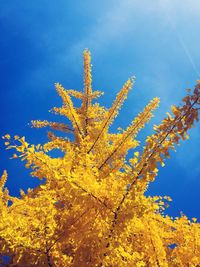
(187, 52)
(182, 43)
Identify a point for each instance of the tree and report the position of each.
(91, 210)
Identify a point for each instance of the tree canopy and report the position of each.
(91, 210)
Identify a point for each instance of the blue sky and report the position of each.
(157, 41)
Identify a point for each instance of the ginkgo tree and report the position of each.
(91, 210)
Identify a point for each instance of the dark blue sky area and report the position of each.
(42, 43)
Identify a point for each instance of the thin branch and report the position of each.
(127, 136)
(72, 110)
(92, 195)
(112, 110)
(157, 261)
(88, 86)
(61, 234)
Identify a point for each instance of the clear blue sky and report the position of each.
(157, 41)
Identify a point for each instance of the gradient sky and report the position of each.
(157, 41)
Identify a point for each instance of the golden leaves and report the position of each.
(54, 125)
(4, 193)
(3, 179)
(7, 136)
(121, 96)
(175, 110)
(87, 72)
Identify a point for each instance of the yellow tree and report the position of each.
(91, 210)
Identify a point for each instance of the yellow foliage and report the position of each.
(91, 210)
